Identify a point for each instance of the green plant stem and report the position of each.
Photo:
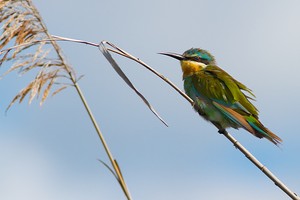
(109, 154)
(83, 100)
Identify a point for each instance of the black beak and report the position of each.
(173, 55)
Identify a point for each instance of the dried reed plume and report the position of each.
(22, 27)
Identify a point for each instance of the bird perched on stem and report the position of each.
(217, 96)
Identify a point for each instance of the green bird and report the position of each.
(217, 96)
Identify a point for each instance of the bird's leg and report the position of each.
(221, 129)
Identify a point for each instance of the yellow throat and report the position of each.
(190, 67)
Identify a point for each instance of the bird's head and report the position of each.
(199, 55)
(193, 60)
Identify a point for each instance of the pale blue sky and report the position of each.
(51, 152)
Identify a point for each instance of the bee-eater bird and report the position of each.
(217, 96)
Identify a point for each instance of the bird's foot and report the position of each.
(222, 131)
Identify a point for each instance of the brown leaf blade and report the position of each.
(119, 71)
(59, 90)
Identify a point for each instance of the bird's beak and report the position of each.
(173, 55)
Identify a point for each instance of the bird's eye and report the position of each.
(205, 61)
(196, 58)
(200, 59)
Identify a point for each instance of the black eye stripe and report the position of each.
(198, 59)
(194, 58)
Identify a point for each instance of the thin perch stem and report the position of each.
(259, 165)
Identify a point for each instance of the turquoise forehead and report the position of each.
(198, 52)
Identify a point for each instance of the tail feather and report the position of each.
(262, 131)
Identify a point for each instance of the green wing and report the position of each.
(226, 94)
(217, 85)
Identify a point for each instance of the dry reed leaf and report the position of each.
(119, 71)
(4, 58)
(15, 67)
(42, 83)
(24, 92)
(47, 90)
(21, 95)
(34, 88)
(59, 90)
